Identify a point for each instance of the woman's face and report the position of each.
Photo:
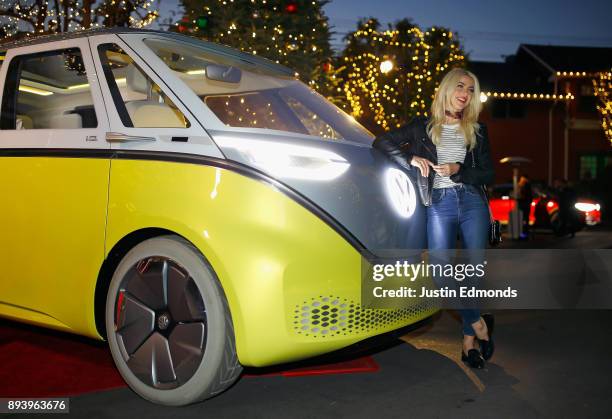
(462, 94)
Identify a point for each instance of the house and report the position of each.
(540, 104)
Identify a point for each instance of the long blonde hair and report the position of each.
(468, 123)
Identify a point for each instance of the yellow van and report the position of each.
(198, 207)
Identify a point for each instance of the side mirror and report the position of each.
(223, 73)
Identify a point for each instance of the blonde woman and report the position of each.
(451, 151)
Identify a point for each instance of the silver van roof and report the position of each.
(41, 39)
(212, 46)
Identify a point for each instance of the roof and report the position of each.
(570, 58)
(506, 77)
(33, 40)
(532, 69)
(212, 46)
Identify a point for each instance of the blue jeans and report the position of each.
(458, 209)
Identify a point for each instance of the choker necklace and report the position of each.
(454, 115)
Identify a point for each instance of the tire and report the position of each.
(170, 332)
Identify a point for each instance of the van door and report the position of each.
(148, 121)
(54, 166)
(144, 113)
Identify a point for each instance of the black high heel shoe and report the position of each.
(473, 359)
(487, 347)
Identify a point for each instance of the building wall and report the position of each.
(524, 137)
(528, 136)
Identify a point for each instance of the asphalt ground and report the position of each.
(597, 237)
(553, 364)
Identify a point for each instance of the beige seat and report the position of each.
(148, 113)
(66, 121)
(24, 122)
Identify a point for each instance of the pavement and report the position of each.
(553, 364)
(548, 364)
(596, 237)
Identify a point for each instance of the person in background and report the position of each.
(567, 198)
(524, 203)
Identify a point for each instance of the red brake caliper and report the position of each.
(119, 308)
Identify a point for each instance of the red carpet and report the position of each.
(37, 362)
(364, 364)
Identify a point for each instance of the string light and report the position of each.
(57, 16)
(602, 87)
(524, 96)
(574, 74)
(391, 75)
(292, 33)
(386, 66)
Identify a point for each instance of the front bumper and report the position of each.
(303, 297)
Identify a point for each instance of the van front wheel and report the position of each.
(168, 324)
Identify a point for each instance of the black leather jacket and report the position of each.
(412, 140)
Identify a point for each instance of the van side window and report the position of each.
(139, 100)
(47, 90)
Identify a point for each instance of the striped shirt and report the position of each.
(450, 150)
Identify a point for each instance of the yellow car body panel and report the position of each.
(275, 259)
(53, 226)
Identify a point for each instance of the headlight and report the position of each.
(586, 206)
(400, 192)
(288, 160)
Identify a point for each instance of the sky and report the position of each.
(488, 30)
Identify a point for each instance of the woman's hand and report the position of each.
(422, 163)
(446, 169)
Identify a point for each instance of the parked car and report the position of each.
(544, 208)
(196, 206)
(591, 210)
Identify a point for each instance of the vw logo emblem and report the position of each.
(163, 322)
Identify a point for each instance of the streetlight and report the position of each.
(483, 97)
(386, 66)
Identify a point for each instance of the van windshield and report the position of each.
(260, 97)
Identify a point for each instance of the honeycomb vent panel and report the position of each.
(330, 316)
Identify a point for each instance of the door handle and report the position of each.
(117, 137)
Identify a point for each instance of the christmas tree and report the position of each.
(390, 76)
(294, 33)
(20, 18)
(602, 86)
